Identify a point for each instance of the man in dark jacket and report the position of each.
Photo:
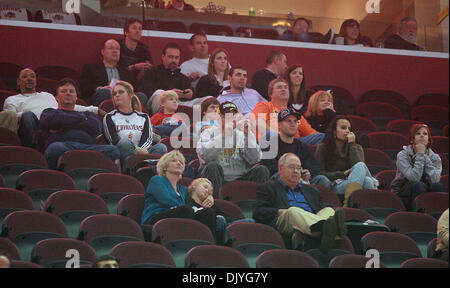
(287, 206)
(65, 129)
(407, 37)
(276, 65)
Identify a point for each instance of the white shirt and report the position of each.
(36, 103)
(195, 65)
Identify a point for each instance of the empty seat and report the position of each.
(144, 175)
(132, 206)
(39, 184)
(445, 164)
(329, 197)
(445, 131)
(13, 200)
(9, 72)
(253, 238)
(26, 228)
(242, 193)
(134, 254)
(211, 29)
(434, 203)
(324, 259)
(394, 248)
(112, 187)
(80, 165)
(424, 263)
(344, 101)
(46, 85)
(9, 248)
(103, 232)
(278, 258)
(134, 161)
(426, 113)
(212, 256)
(385, 179)
(431, 248)
(15, 159)
(73, 206)
(9, 138)
(262, 33)
(400, 126)
(389, 142)
(377, 160)
(388, 96)
(180, 235)
(56, 72)
(433, 99)
(440, 144)
(379, 203)
(418, 226)
(351, 261)
(361, 126)
(55, 253)
(380, 113)
(2, 182)
(230, 209)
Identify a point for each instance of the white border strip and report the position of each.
(227, 39)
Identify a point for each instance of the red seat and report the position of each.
(13, 200)
(242, 193)
(230, 209)
(187, 110)
(425, 113)
(211, 29)
(377, 159)
(259, 32)
(424, 263)
(362, 124)
(9, 138)
(440, 144)
(351, 261)
(344, 101)
(390, 97)
(56, 72)
(212, 256)
(9, 248)
(445, 131)
(134, 254)
(3, 95)
(433, 99)
(46, 85)
(9, 72)
(329, 197)
(379, 110)
(131, 206)
(278, 258)
(387, 140)
(433, 203)
(385, 178)
(401, 126)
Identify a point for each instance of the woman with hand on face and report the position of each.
(342, 160)
(128, 128)
(320, 111)
(418, 167)
(298, 95)
(165, 198)
(216, 79)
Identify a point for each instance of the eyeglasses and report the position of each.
(293, 167)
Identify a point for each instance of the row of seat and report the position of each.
(46, 16)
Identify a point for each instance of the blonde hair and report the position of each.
(135, 102)
(314, 102)
(197, 182)
(165, 159)
(167, 94)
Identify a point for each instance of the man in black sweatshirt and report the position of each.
(65, 129)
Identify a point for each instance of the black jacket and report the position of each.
(272, 196)
(397, 42)
(261, 80)
(161, 78)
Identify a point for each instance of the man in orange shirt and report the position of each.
(265, 115)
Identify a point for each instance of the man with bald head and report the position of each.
(96, 79)
(25, 109)
(4, 261)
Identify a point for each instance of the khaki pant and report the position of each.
(8, 119)
(296, 218)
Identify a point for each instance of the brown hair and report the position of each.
(348, 23)
(211, 70)
(300, 98)
(272, 84)
(416, 127)
(314, 101)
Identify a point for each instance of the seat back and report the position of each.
(79, 159)
(400, 126)
(432, 203)
(374, 198)
(390, 242)
(142, 254)
(172, 229)
(344, 101)
(211, 256)
(56, 72)
(74, 200)
(385, 96)
(425, 113)
(12, 199)
(21, 155)
(440, 144)
(230, 209)
(278, 258)
(9, 248)
(387, 140)
(404, 222)
(424, 263)
(104, 183)
(373, 110)
(132, 206)
(254, 233)
(351, 261)
(433, 99)
(329, 197)
(9, 138)
(385, 178)
(107, 105)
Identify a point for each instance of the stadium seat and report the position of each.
(80, 165)
(144, 175)
(13, 200)
(401, 126)
(212, 256)
(252, 239)
(230, 209)
(9, 248)
(424, 263)
(394, 248)
(433, 203)
(351, 261)
(180, 235)
(444, 181)
(329, 197)
(323, 259)
(9, 138)
(379, 203)
(52, 253)
(16, 159)
(281, 258)
(433, 99)
(107, 105)
(46, 85)
(170, 26)
(445, 131)
(418, 226)
(73, 206)
(81, 102)
(133, 161)
(3, 95)
(112, 187)
(138, 254)
(361, 126)
(344, 101)
(385, 179)
(377, 160)
(26, 228)
(24, 264)
(9, 72)
(389, 142)
(39, 184)
(440, 144)
(57, 73)
(425, 113)
(431, 248)
(131, 206)
(390, 97)
(242, 193)
(103, 232)
(380, 113)
(211, 29)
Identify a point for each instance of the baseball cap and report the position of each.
(228, 107)
(287, 112)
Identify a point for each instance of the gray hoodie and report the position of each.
(412, 166)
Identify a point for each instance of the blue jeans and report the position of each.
(56, 149)
(313, 139)
(29, 125)
(420, 188)
(359, 174)
(127, 148)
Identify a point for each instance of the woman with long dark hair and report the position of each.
(341, 159)
(298, 95)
